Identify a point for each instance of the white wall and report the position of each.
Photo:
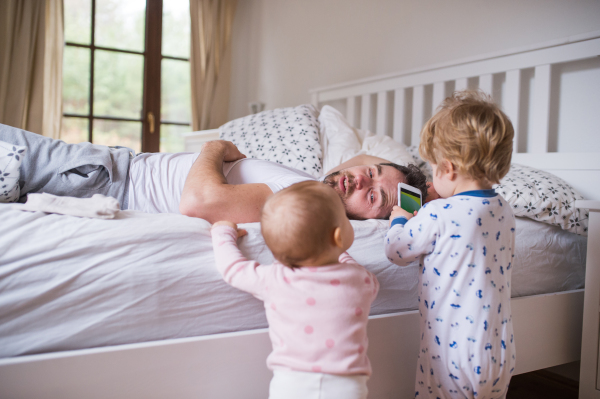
(283, 48)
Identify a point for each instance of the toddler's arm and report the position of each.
(407, 240)
(236, 270)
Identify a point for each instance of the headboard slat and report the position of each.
(486, 82)
(399, 113)
(512, 102)
(365, 112)
(351, 110)
(439, 93)
(418, 113)
(461, 84)
(381, 127)
(541, 110)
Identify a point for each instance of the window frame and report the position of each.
(150, 117)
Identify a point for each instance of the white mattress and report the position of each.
(71, 283)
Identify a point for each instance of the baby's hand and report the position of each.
(399, 212)
(240, 232)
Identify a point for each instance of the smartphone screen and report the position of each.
(409, 201)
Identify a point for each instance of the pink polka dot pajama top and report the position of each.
(317, 315)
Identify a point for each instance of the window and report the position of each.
(126, 73)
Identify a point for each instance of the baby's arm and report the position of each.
(236, 270)
(410, 237)
(346, 258)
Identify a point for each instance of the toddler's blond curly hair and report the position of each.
(472, 133)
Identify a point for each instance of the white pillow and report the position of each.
(341, 142)
(542, 196)
(288, 136)
(385, 147)
(11, 157)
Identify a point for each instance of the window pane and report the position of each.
(78, 21)
(76, 80)
(175, 91)
(176, 28)
(118, 82)
(111, 133)
(171, 138)
(74, 130)
(121, 24)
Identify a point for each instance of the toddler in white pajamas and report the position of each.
(317, 298)
(464, 242)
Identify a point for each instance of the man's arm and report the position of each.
(358, 160)
(207, 195)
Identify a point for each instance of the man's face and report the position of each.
(368, 191)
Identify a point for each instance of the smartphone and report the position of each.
(409, 198)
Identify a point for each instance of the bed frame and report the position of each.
(548, 328)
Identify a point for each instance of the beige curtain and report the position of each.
(210, 64)
(31, 56)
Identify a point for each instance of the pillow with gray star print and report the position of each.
(288, 136)
(542, 196)
(10, 160)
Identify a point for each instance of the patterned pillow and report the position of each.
(288, 136)
(10, 160)
(542, 196)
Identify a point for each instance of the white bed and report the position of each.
(547, 326)
(91, 283)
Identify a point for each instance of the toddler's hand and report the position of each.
(240, 232)
(399, 212)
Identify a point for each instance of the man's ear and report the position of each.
(337, 238)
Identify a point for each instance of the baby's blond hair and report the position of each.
(297, 222)
(472, 133)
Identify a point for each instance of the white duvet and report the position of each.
(70, 283)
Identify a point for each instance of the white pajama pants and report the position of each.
(288, 384)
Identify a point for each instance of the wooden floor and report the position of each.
(542, 385)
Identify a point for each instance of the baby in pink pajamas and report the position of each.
(317, 298)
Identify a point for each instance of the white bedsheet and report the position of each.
(71, 283)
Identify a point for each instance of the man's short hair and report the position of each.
(412, 176)
(472, 133)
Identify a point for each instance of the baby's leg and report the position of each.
(289, 384)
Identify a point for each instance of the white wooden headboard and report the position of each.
(526, 82)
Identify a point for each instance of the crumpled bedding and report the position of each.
(72, 283)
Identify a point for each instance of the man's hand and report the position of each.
(240, 232)
(399, 212)
(230, 152)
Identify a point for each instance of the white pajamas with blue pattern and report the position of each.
(465, 247)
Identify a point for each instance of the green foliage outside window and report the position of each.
(118, 77)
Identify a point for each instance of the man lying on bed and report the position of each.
(219, 183)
